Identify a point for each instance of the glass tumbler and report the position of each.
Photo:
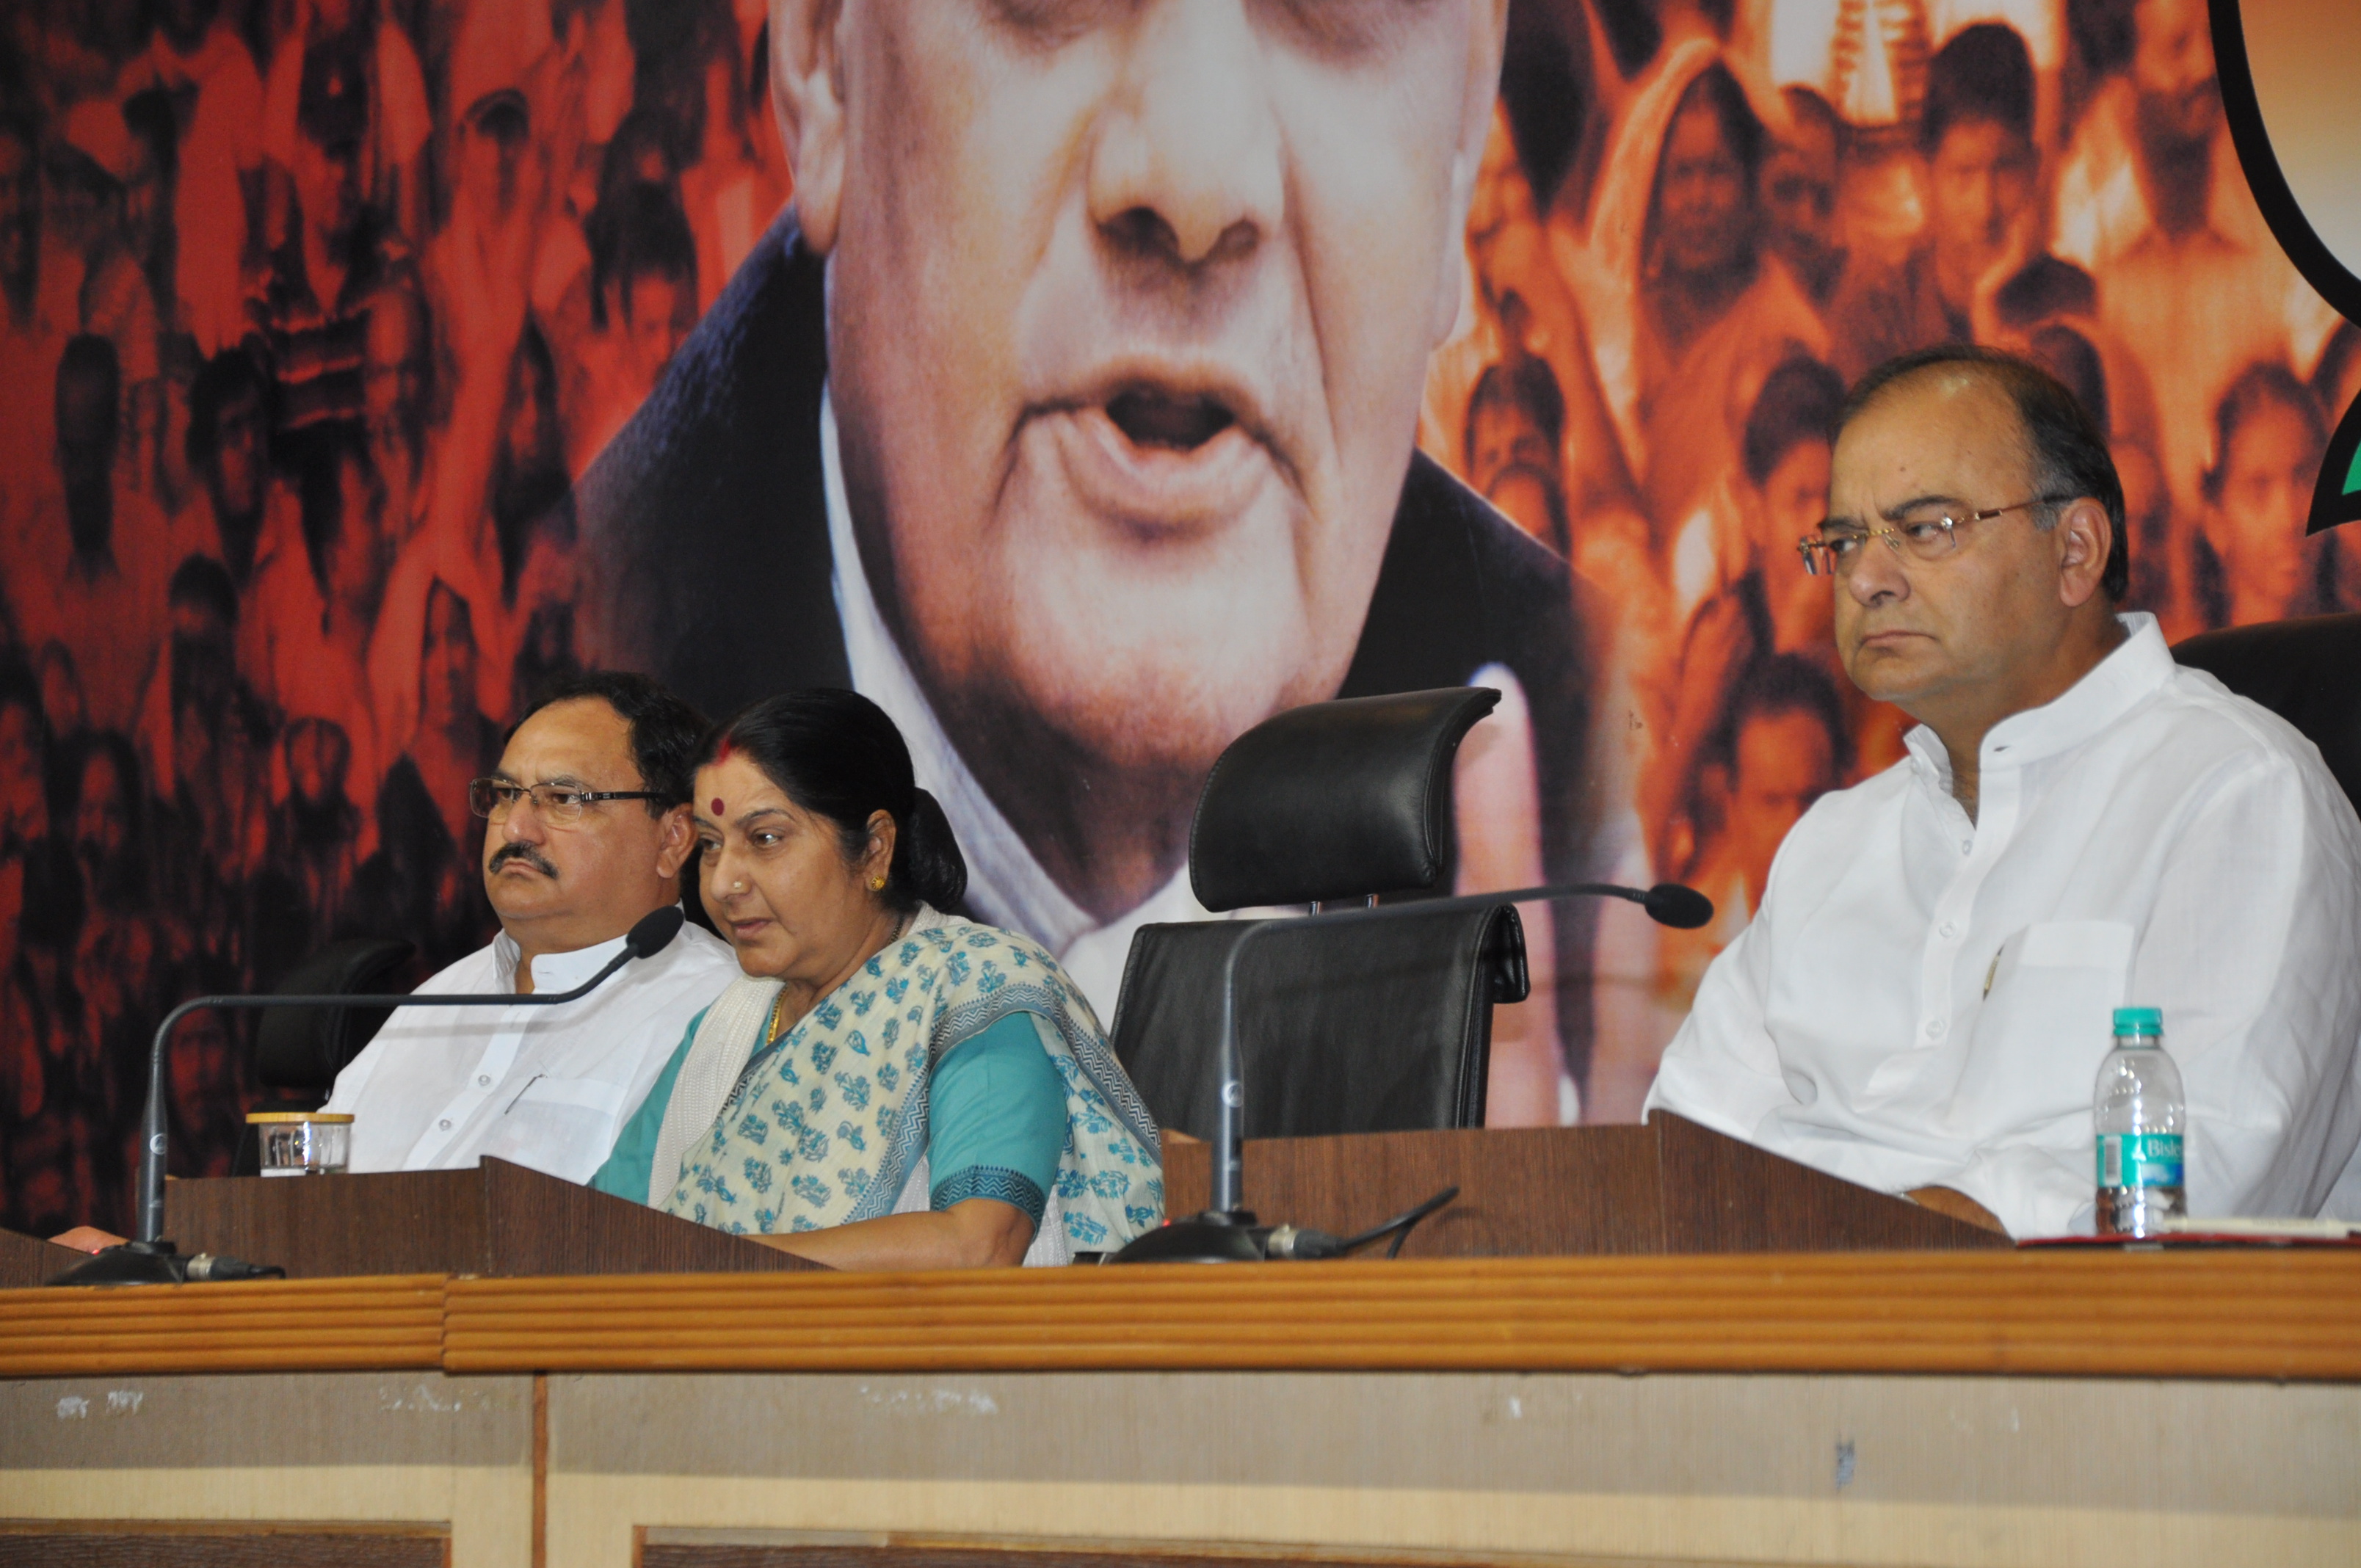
(302, 1143)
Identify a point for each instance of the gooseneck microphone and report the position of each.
(147, 1259)
(1670, 903)
(1226, 1231)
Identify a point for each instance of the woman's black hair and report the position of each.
(1799, 402)
(2261, 383)
(1741, 129)
(836, 754)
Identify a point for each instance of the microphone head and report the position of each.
(656, 929)
(1682, 908)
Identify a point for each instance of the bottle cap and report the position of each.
(2136, 1021)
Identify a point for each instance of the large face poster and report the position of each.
(1085, 380)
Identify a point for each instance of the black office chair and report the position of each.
(2307, 671)
(298, 1051)
(1344, 1028)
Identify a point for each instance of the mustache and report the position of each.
(524, 853)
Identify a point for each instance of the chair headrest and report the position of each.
(1334, 800)
(2308, 671)
(303, 1048)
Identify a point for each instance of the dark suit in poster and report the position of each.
(707, 560)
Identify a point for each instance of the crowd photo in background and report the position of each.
(369, 366)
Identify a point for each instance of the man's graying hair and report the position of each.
(2065, 447)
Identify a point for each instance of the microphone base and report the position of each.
(133, 1263)
(1214, 1236)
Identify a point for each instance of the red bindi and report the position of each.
(716, 805)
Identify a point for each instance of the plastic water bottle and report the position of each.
(2141, 1114)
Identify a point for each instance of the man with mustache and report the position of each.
(1924, 997)
(588, 830)
(1070, 416)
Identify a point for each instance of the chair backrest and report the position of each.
(2307, 671)
(298, 1051)
(1334, 800)
(1381, 1026)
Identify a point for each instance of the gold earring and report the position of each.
(877, 885)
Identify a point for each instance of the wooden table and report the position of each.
(1975, 1408)
(1623, 1343)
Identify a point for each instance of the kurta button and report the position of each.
(1966, 845)
(444, 1125)
(1948, 930)
(1934, 1028)
(484, 1080)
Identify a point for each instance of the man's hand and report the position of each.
(1957, 1205)
(86, 1238)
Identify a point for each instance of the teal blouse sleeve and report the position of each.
(997, 1120)
(627, 1172)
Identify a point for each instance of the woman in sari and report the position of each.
(1689, 310)
(888, 1086)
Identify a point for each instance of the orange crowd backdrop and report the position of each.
(367, 365)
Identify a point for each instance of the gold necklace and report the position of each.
(776, 1026)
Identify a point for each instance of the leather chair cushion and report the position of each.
(1359, 1026)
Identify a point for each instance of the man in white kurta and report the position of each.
(545, 1087)
(591, 838)
(1923, 1001)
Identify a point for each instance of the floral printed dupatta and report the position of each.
(826, 1124)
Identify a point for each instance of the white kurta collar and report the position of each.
(551, 971)
(2136, 669)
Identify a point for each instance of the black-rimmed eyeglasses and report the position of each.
(560, 805)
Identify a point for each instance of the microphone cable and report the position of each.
(1292, 1244)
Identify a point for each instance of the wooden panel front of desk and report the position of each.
(497, 1220)
(1668, 1187)
(1072, 1469)
(1945, 1410)
(28, 1260)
